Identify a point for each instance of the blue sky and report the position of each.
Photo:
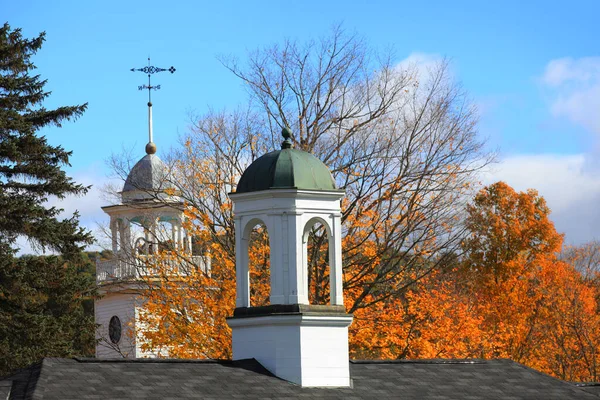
(532, 68)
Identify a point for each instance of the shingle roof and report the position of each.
(57, 378)
(148, 174)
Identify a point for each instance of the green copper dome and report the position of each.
(286, 169)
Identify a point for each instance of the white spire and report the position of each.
(150, 123)
(150, 147)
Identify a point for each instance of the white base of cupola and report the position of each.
(306, 348)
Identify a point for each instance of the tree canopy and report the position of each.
(41, 298)
(401, 141)
(432, 268)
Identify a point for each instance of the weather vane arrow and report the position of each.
(150, 70)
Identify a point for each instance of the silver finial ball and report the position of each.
(150, 148)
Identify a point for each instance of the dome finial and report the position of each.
(287, 134)
(150, 148)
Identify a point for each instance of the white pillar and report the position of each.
(179, 235)
(297, 279)
(241, 266)
(154, 236)
(335, 261)
(127, 235)
(113, 235)
(278, 250)
(304, 244)
(122, 236)
(174, 234)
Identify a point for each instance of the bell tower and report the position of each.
(150, 215)
(147, 218)
(288, 191)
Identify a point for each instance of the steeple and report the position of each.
(149, 217)
(148, 178)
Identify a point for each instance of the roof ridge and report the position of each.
(425, 361)
(153, 360)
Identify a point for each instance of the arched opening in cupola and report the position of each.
(256, 239)
(316, 259)
(170, 235)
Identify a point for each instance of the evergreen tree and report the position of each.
(41, 298)
(46, 310)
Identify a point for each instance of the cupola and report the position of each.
(148, 218)
(288, 191)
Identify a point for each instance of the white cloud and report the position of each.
(424, 62)
(574, 90)
(568, 71)
(572, 193)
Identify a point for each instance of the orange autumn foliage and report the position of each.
(507, 295)
(407, 167)
(185, 312)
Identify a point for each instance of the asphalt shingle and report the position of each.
(57, 378)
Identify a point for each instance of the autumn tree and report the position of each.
(508, 230)
(511, 240)
(402, 143)
(400, 140)
(510, 297)
(41, 310)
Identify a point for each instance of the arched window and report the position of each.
(259, 263)
(316, 247)
(139, 237)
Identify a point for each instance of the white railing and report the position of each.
(135, 268)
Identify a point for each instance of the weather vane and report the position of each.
(150, 69)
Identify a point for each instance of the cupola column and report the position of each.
(242, 273)
(298, 273)
(127, 236)
(113, 235)
(174, 234)
(122, 240)
(282, 241)
(335, 261)
(189, 243)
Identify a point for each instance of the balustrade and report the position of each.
(135, 268)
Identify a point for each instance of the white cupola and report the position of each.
(147, 218)
(288, 191)
(150, 215)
